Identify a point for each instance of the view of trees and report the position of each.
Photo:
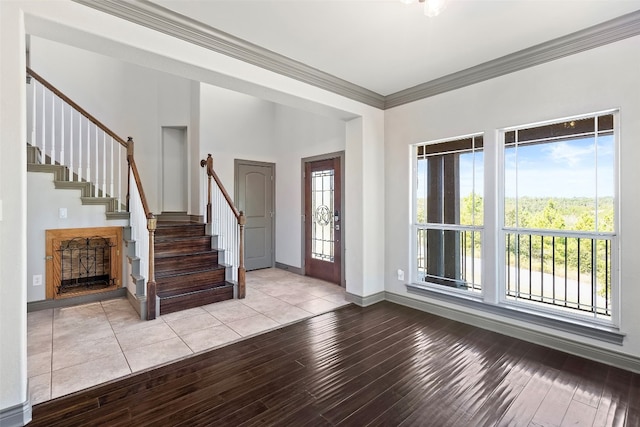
(562, 256)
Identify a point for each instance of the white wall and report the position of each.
(129, 99)
(591, 81)
(239, 126)
(43, 202)
(13, 225)
(298, 134)
(234, 126)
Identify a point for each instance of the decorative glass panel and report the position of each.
(322, 208)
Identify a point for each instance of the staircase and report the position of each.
(188, 270)
(62, 179)
(172, 265)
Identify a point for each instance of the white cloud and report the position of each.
(570, 154)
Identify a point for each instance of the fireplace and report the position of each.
(83, 261)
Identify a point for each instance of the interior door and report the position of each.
(255, 198)
(323, 216)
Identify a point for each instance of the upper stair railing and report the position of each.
(226, 222)
(66, 134)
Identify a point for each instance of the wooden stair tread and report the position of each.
(168, 274)
(175, 224)
(220, 285)
(188, 273)
(181, 239)
(196, 298)
(189, 254)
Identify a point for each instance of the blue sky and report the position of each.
(554, 169)
(561, 169)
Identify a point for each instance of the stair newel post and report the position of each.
(151, 284)
(241, 270)
(209, 165)
(129, 159)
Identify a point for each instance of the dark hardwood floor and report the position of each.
(385, 365)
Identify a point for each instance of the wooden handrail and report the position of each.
(136, 177)
(240, 217)
(211, 173)
(79, 109)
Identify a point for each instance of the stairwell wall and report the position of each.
(129, 99)
(42, 215)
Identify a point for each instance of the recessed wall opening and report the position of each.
(83, 261)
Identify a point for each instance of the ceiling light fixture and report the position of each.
(431, 7)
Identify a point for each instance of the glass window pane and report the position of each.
(450, 182)
(450, 258)
(322, 228)
(560, 178)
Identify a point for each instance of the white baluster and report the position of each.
(96, 181)
(71, 144)
(33, 113)
(119, 177)
(62, 140)
(88, 169)
(111, 155)
(53, 129)
(79, 148)
(44, 137)
(104, 164)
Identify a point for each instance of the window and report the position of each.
(448, 213)
(559, 215)
(553, 251)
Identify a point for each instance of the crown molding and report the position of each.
(158, 18)
(598, 35)
(166, 21)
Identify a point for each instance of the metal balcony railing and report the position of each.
(450, 255)
(565, 269)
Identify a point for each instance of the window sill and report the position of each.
(598, 332)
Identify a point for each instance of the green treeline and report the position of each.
(562, 256)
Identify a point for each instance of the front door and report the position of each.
(323, 215)
(255, 198)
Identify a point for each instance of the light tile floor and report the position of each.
(77, 347)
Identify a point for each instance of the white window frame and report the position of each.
(415, 226)
(493, 297)
(550, 311)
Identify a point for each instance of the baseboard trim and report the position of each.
(68, 302)
(18, 415)
(290, 268)
(366, 300)
(138, 304)
(608, 357)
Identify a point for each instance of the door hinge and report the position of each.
(48, 258)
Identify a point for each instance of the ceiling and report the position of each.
(386, 46)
